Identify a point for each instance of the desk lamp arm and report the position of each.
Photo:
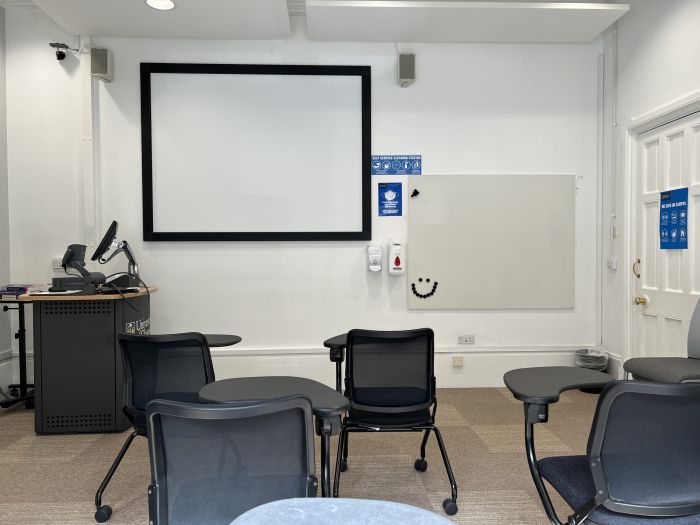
(123, 247)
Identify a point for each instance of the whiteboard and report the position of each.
(255, 152)
(491, 241)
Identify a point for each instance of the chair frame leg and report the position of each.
(535, 473)
(346, 442)
(342, 449)
(426, 429)
(113, 469)
(445, 460)
(423, 443)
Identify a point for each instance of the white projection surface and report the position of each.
(256, 152)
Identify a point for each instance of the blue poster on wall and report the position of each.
(389, 199)
(673, 219)
(397, 164)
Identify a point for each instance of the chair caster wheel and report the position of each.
(29, 404)
(103, 514)
(421, 465)
(450, 506)
(343, 465)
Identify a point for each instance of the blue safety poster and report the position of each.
(389, 199)
(397, 164)
(673, 226)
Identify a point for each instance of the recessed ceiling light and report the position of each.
(161, 5)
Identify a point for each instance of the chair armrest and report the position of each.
(543, 385)
(336, 354)
(536, 413)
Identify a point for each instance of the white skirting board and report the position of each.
(9, 370)
(482, 367)
(6, 372)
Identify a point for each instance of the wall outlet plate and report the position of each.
(457, 361)
(56, 261)
(466, 339)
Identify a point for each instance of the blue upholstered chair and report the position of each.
(642, 465)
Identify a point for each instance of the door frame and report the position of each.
(675, 110)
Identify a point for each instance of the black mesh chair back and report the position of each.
(643, 450)
(390, 370)
(390, 383)
(173, 366)
(210, 463)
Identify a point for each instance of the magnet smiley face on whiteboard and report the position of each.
(430, 291)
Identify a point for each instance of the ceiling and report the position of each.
(339, 20)
(459, 21)
(215, 19)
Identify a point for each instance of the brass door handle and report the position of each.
(635, 268)
(642, 300)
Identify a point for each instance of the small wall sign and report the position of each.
(673, 219)
(389, 199)
(397, 164)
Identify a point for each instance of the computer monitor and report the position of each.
(108, 241)
(103, 255)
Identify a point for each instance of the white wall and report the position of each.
(43, 148)
(658, 43)
(488, 109)
(4, 214)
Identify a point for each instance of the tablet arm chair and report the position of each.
(390, 384)
(211, 463)
(642, 465)
(157, 366)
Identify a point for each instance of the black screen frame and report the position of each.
(147, 68)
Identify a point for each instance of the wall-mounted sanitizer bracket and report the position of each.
(397, 258)
(374, 258)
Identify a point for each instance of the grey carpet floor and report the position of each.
(52, 479)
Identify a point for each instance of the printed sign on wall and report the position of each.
(397, 164)
(673, 216)
(389, 199)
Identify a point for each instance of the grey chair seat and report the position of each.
(138, 417)
(664, 369)
(571, 478)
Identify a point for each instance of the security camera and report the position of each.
(60, 48)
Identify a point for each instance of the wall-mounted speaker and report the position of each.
(407, 69)
(101, 64)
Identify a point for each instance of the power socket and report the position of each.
(56, 262)
(466, 339)
(457, 361)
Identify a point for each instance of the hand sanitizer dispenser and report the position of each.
(397, 258)
(374, 257)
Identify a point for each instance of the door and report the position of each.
(667, 282)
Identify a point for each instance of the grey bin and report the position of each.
(592, 359)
